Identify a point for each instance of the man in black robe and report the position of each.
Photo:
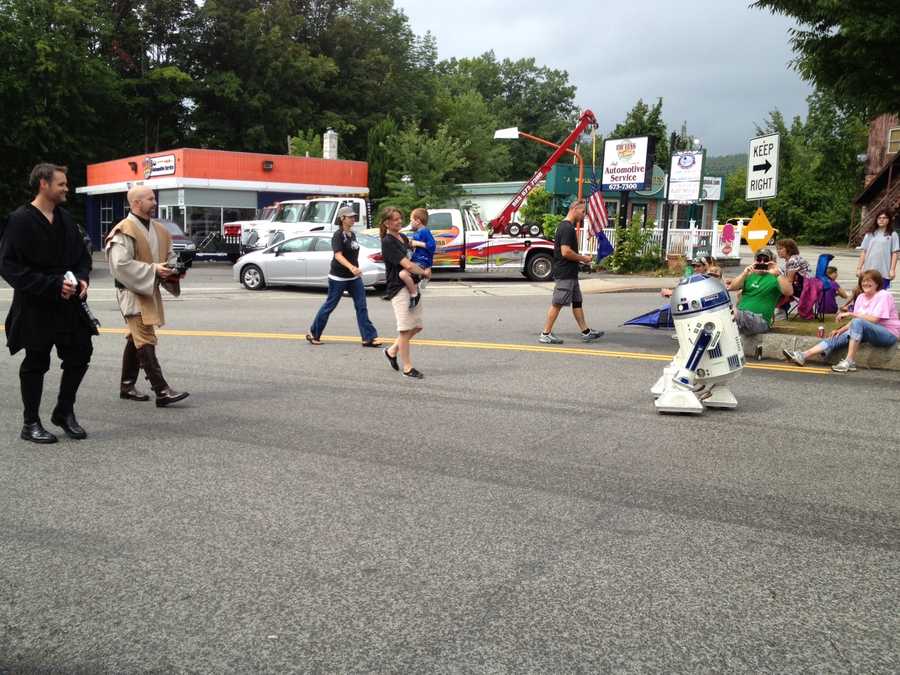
(40, 244)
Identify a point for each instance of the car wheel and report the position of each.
(539, 267)
(514, 229)
(534, 230)
(252, 278)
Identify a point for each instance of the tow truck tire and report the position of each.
(514, 229)
(534, 230)
(252, 278)
(539, 267)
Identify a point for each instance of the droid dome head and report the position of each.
(698, 293)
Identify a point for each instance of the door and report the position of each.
(287, 264)
(476, 243)
(318, 261)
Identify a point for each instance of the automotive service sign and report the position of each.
(625, 164)
(159, 166)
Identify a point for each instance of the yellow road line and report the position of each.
(462, 344)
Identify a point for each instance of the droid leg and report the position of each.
(668, 372)
(678, 395)
(720, 396)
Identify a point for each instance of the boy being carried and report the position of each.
(424, 246)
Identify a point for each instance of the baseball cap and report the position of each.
(346, 212)
(765, 253)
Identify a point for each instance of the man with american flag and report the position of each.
(566, 290)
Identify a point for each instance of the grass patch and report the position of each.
(795, 326)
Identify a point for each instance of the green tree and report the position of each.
(377, 156)
(468, 118)
(256, 82)
(847, 50)
(62, 102)
(520, 93)
(306, 144)
(644, 120)
(422, 167)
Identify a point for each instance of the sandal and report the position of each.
(313, 341)
(371, 343)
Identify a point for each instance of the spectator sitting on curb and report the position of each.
(874, 321)
(761, 284)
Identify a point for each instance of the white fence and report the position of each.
(680, 241)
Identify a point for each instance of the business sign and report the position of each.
(625, 164)
(159, 166)
(762, 167)
(712, 189)
(684, 191)
(686, 175)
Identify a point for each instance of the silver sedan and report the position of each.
(305, 261)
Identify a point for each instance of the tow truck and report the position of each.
(502, 223)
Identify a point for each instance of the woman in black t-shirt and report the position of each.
(344, 275)
(395, 249)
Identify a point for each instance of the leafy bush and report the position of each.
(632, 253)
(550, 222)
(536, 207)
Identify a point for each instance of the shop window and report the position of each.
(106, 216)
(203, 220)
(231, 214)
(639, 212)
(893, 144)
(685, 213)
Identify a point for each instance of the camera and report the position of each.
(761, 266)
(92, 321)
(183, 262)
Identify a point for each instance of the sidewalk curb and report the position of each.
(771, 344)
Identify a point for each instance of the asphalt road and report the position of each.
(522, 509)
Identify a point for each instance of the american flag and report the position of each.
(596, 208)
(599, 218)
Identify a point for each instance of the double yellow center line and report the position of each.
(465, 344)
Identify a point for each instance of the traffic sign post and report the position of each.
(762, 167)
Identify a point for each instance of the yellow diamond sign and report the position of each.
(758, 231)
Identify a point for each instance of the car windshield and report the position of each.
(172, 228)
(289, 213)
(368, 241)
(319, 212)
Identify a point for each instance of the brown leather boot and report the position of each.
(131, 368)
(165, 395)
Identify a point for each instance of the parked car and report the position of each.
(180, 241)
(305, 261)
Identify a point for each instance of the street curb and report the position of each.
(770, 346)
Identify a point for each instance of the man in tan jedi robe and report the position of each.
(141, 259)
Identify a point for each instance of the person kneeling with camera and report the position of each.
(141, 259)
(761, 284)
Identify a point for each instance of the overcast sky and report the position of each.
(717, 64)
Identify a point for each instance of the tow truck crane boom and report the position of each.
(501, 222)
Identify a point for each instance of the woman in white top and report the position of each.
(880, 248)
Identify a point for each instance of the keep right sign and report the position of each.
(762, 167)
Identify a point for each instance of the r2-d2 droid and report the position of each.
(710, 352)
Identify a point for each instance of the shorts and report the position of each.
(407, 318)
(566, 291)
(750, 323)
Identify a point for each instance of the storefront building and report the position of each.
(202, 189)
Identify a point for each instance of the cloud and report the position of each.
(719, 65)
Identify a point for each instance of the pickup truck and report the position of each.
(465, 244)
(291, 218)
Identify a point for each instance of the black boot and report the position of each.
(131, 367)
(36, 433)
(69, 424)
(164, 394)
